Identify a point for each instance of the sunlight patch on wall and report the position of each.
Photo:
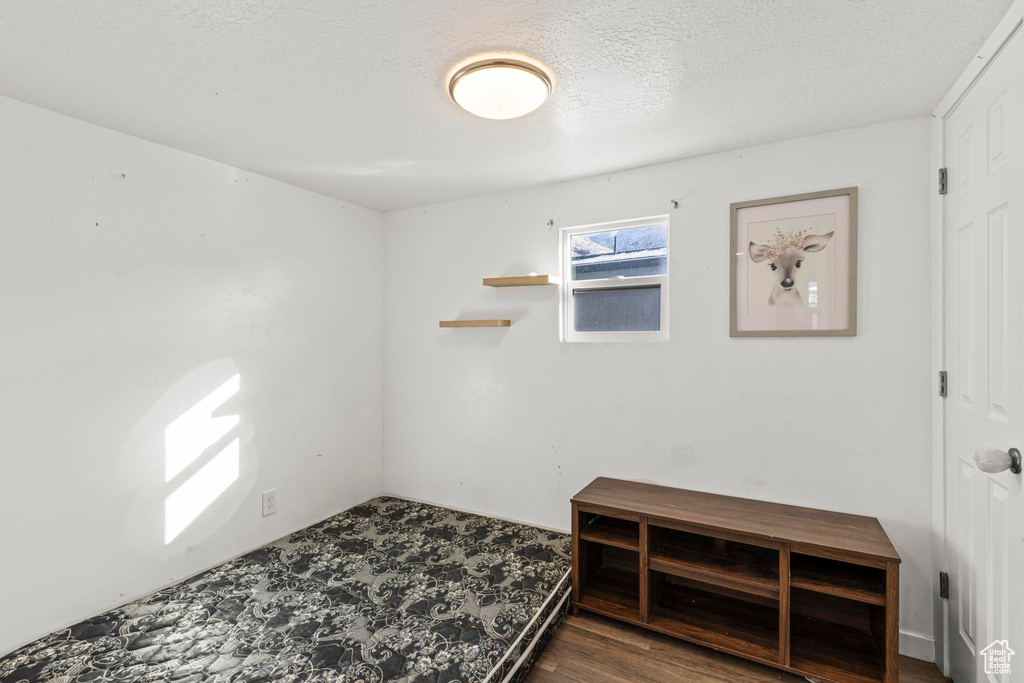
(187, 437)
(190, 499)
(185, 441)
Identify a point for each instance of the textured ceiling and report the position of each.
(348, 98)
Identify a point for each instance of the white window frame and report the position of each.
(568, 313)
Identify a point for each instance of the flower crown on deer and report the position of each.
(781, 241)
(799, 240)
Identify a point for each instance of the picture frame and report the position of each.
(793, 265)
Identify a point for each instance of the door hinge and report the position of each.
(943, 180)
(944, 585)
(943, 384)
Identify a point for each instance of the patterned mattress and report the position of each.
(390, 590)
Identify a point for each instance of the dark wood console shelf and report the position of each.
(807, 591)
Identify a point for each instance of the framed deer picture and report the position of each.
(793, 265)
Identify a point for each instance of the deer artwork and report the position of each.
(785, 253)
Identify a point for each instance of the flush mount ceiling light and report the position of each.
(499, 88)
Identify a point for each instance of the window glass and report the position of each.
(623, 309)
(632, 252)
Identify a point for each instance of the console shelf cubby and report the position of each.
(807, 591)
(612, 580)
(857, 582)
(740, 566)
(605, 530)
(729, 622)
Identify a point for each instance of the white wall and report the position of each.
(512, 422)
(134, 280)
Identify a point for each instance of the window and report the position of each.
(616, 281)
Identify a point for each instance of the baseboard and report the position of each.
(917, 646)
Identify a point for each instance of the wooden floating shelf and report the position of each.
(476, 323)
(520, 281)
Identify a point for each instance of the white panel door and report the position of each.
(984, 148)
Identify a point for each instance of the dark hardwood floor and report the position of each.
(592, 649)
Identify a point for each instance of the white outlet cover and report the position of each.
(269, 502)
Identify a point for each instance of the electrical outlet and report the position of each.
(269, 502)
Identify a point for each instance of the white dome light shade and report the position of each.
(500, 88)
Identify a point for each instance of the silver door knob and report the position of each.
(993, 460)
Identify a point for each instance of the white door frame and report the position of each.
(1006, 28)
